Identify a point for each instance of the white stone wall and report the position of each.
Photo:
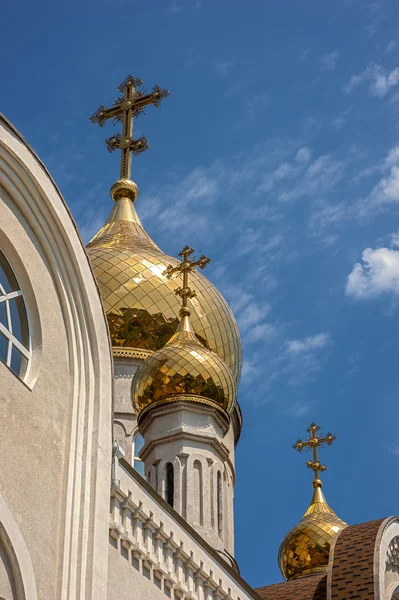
(55, 442)
(154, 554)
(191, 437)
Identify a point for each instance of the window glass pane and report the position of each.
(3, 314)
(139, 466)
(138, 444)
(16, 360)
(7, 277)
(3, 348)
(18, 319)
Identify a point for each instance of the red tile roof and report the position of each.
(352, 556)
(308, 587)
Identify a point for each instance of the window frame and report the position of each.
(7, 331)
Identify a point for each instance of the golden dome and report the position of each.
(183, 370)
(140, 303)
(306, 548)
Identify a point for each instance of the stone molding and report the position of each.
(386, 573)
(188, 407)
(18, 554)
(82, 560)
(160, 541)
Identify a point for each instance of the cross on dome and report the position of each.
(306, 547)
(314, 442)
(131, 104)
(184, 268)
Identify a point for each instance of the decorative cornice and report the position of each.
(182, 398)
(222, 420)
(123, 352)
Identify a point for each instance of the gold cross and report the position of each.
(184, 268)
(131, 104)
(314, 442)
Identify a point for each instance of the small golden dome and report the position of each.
(183, 370)
(306, 548)
(139, 301)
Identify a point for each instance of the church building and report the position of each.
(119, 370)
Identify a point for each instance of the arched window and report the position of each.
(15, 345)
(219, 502)
(170, 484)
(138, 443)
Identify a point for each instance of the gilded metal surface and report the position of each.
(139, 300)
(131, 104)
(314, 442)
(183, 367)
(306, 548)
(185, 267)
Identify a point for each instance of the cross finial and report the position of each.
(313, 442)
(184, 268)
(129, 105)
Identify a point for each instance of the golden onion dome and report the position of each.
(139, 301)
(306, 548)
(183, 370)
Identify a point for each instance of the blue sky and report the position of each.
(277, 154)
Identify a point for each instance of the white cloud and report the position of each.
(383, 194)
(252, 315)
(386, 191)
(187, 205)
(249, 368)
(263, 331)
(248, 240)
(390, 46)
(303, 155)
(340, 121)
(380, 80)
(319, 178)
(297, 362)
(376, 274)
(299, 409)
(308, 344)
(328, 61)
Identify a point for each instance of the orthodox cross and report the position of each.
(184, 268)
(314, 442)
(131, 104)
